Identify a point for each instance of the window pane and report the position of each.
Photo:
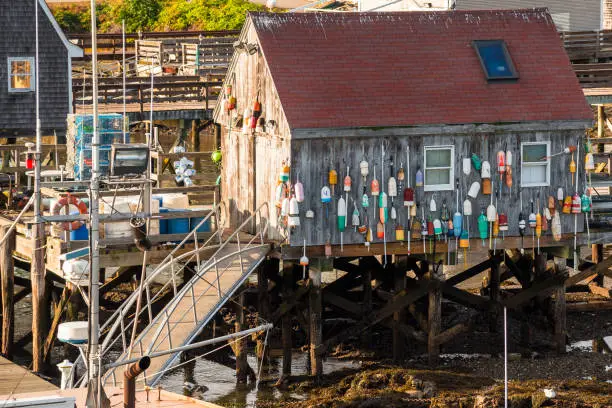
(437, 177)
(494, 59)
(20, 67)
(20, 82)
(534, 153)
(534, 174)
(438, 158)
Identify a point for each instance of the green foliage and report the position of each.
(162, 15)
(205, 14)
(140, 15)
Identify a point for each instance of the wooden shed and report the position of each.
(430, 88)
(17, 72)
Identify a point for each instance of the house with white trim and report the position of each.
(17, 70)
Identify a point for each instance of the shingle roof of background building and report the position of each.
(415, 68)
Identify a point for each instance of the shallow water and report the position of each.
(222, 387)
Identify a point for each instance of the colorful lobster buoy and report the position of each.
(437, 227)
(576, 204)
(457, 223)
(503, 222)
(483, 227)
(567, 205)
(355, 218)
(556, 226)
(585, 203)
(382, 207)
(560, 196)
(399, 233)
(589, 162)
(374, 186)
(299, 191)
(364, 169)
(304, 261)
(365, 200)
(408, 197)
(284, 175)
(486, 177)
(341, 220)
(325, 195)
(333, 179)
(476, 162)
(532, 216)
(467, 166)
(552, 205)
(294, 213)
(474, 189)
(279, 194)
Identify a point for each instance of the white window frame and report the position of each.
(543, 163)
(32, 87)
(451, 168)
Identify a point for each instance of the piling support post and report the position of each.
(38, 271)
(366, 278)
(494, 295)
(434, 316)
(316, 322)
(287, 341)
(560, 309)
(7, 271)
(240, 346)
(263, 308)
(399, 284)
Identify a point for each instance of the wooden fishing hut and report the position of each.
(310, 99)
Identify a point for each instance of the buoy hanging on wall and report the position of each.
(474, 189)
(419, 178)
(556, 226)
(294, 213)
(284, 175)
(299, 191)
(467, 166)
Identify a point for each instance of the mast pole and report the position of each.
(124, 80)
(94, 284)
(38, 235)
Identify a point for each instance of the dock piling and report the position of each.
(7, 271)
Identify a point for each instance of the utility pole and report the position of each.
(38, 232)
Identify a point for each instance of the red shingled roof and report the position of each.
(415, 68)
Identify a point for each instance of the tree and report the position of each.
(140, 15)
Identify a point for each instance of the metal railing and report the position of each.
(159, 328)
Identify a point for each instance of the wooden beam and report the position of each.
(434, 319)
(57, 315)
(316, 324)
(598, 290)
(7, 287)
(38, 272)
(589, 306)
(21, 294)
(469, 273)
(542, 288)
(452, 332)
(465, 298)
(600, 268)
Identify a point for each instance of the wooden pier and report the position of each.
(15, 379)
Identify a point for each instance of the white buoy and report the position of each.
(467, 166)
(474, 189)
(65, 368)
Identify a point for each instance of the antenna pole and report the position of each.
(94, 276)
(124, 74)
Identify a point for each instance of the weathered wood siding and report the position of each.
(17, 110)
(313, 158)
(252, 161)
(582, 15)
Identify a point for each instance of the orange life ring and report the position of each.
(67, 202)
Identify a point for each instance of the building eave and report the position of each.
(73, 50)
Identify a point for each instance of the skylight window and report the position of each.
(495, 59)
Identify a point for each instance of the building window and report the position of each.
(439, 167)
(495, 59)
(535, 164)
(21, 74)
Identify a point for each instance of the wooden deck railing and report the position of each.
(166, 89)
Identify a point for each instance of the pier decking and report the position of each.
(15, 379)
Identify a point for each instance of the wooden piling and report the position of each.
(240, 345)
(287, 292)
(263, 308)
(597, 257)
(316, 322)
(38, 271)
(399, 284)
(7, 272)
(560, 309)
(366, 279)
(434, 317)
(494, 295)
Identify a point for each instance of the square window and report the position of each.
(495, 59)
(439, 168)
(535, 164)
(21, 74)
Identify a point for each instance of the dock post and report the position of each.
(494, 294)
(366, 278)
(560, 310)
(399, 284)
(316, 321)
(38, 270)
(434, 317)
(240, 346)
(263, 308)
(597, 257)
(287, 293)
(7, 271)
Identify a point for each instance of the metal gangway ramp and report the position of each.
(223, 262)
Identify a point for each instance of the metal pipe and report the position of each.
(192, 346)
(129, 381)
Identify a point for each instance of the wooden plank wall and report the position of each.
(313, 158)
(255, 155)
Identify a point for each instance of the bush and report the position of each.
(139, 15)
